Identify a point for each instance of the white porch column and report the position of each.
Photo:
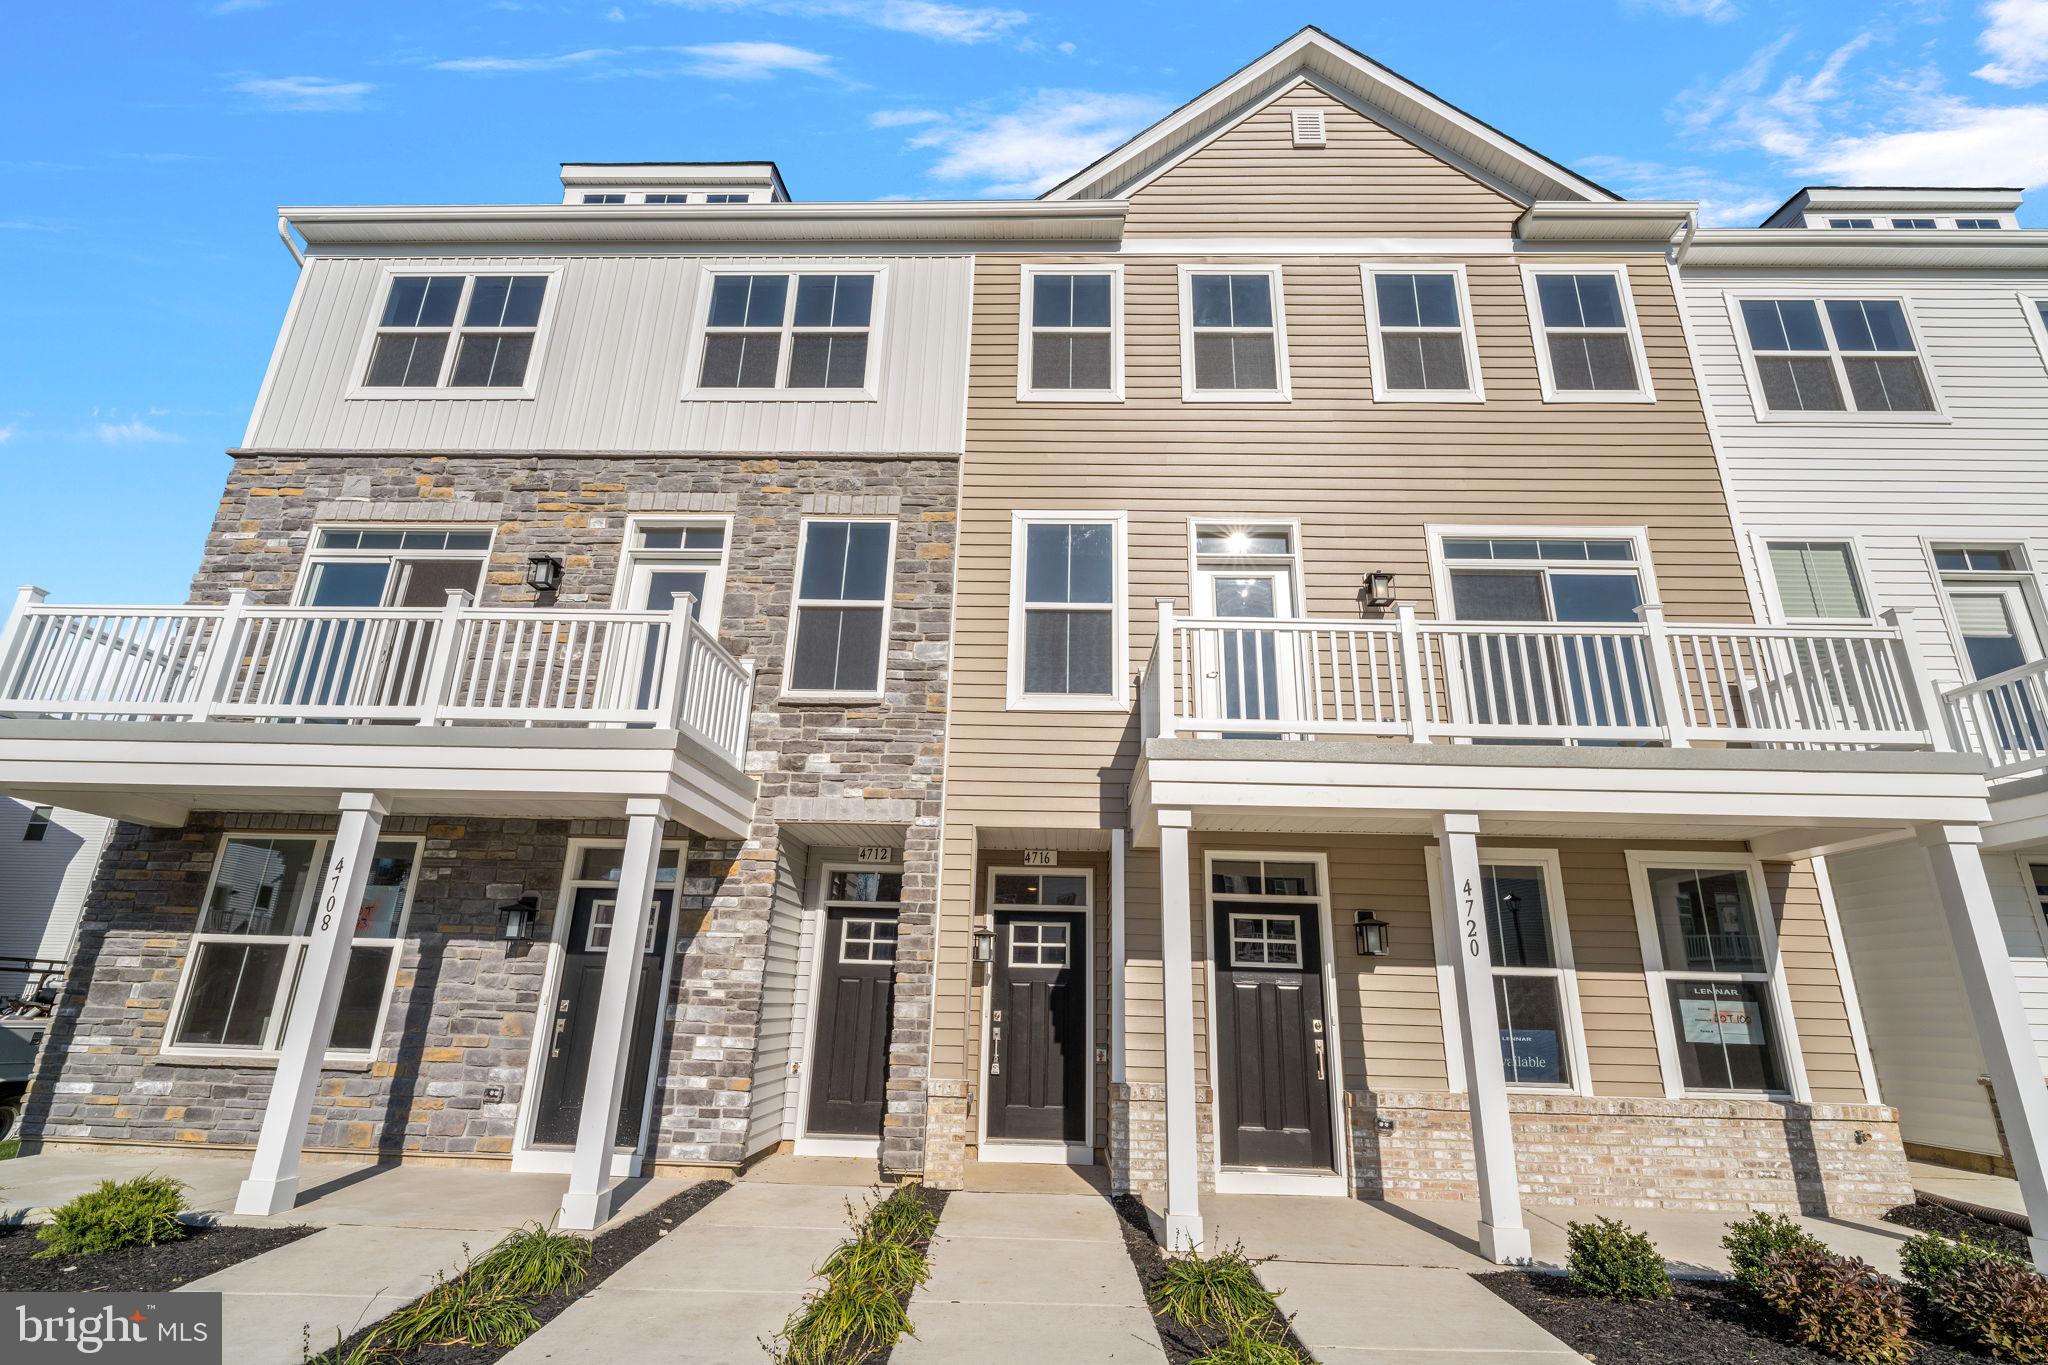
(1177, 986)
(1502, 1238)
(1956, 859)
(588, 1201)
(273, 1183)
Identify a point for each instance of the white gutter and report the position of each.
(284, 233)
(1914, 249)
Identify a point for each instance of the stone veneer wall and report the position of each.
(1718, 1155)
(851, 764)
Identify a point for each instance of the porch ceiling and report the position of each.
(1796, 801)
(158, 773)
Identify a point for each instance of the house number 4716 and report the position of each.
(1471, 922)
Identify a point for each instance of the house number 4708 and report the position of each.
(334, 884)
(1471, 922)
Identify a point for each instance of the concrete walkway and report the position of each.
(1992, 1191)
(1029, 1278)
(712, 1290)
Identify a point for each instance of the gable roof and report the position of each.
(1314, 55)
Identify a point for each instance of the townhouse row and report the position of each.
(1326, 655)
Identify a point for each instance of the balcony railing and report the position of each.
(2004, 718)
(1645, 682)
(456, 665)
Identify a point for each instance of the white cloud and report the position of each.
(2017, 39)
(7, 433)
(308, 94)
(615, 15)
(1048, 137)
(1782, 118)
(135, 431)
(903, 118)
(1723, 201)
(1955, 142)
(1713, 11)
(926, 19)
(584, 57)
(745, 61)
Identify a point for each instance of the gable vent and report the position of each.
(1308, 128)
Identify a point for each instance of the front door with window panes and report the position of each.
(664, 562)
(571, 1026)
(1717, 978)
(1993, 611)
(1549, 680)
(1247, 573)
(1038, 1029)
(849, 1065)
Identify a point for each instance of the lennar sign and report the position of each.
(112, 1329)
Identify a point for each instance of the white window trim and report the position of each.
(1188, 392)
(1440, 567)
(1080, 1153)
(1444, 935)
(1761, 412)
(323, 845)
(693, 357)
(2022, 575)
(1117, 700)
(1204, 907)
(711, 611)
(550, 295)
(2030, 306)
(1475, 391)
(797, 600)
(314, 555)
(1785, 1022)
(1859, 564)
(1647, 390)
(1025, 292)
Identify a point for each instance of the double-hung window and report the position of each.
(1233, 335)
(1834, 355)
(1071, 344)
(1817, 580)
(1531, 955)
(1419, 332)
(1066, 611)
(1714, 973)
(476, 334)
(1913, 224)
(778, 334)
(838, 637)
(1588, 346)
(243, 964)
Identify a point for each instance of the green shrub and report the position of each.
(533, 1262)
(902, 1217)
(848, 1320)
(1211, 1291)
(1611, 1260)
(368, 1351)
(468, 1310)
(1838, 1305)
(879, 1260)
(142, 1212)
(1261, 1342)
(1980, 1294)
(1753, 1241)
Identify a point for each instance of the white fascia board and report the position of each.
(1574, 220)
(1826, 198)
(1909, 249)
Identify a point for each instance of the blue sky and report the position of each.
(145, 145)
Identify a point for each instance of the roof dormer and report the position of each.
(672, 182)
(1896, 208)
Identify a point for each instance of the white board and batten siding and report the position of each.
(1896, 488)
(43, 883)
(785, 1000)
(614, 364)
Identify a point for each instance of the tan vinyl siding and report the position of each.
(1368, 181)
(1614, 997)
(1814, 984)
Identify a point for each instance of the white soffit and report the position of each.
(1908, 249)
(1576, 220)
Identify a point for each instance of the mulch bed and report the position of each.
(135, 1270)
(611, 1250)
(1705, 1322)
(1182, 1344)
(1925, 1217)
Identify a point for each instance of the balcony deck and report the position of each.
(149, 713)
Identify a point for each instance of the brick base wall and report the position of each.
(1137, 1139)
(1716, 1155)
(946, 1128)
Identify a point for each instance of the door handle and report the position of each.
(1319, 1060)
(995, 1050)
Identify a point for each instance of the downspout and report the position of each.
(284, 234)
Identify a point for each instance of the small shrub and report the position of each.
(1259, 1342)
(1752, 1242)
(1980, 1294)
(1209, 1291)
(468, 1310)
(1838, 1305)
(534, 1262)
(142, 1212)
(902, 1217)
(1611, 1260)
(848, 1320)
(368, 1351)
(879, 1260)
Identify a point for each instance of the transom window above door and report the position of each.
(1587, 344)
(1543, 578)
(1420, 335)
(1233, 335)
(457, 332)
(1072, 347)
(781, 334)
(1834, 355)
(1030, 888)
(1262, 877)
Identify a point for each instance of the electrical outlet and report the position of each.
(494, 1093)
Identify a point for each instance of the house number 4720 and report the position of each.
(1471, 922)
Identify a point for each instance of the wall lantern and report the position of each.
(1372, 934)
(543, 573)
(1379, 589)
(518, 917)
(984, 944)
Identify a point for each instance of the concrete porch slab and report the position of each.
(1992, 1191)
